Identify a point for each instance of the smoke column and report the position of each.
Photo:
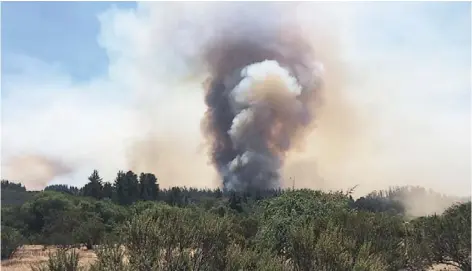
(260, 97)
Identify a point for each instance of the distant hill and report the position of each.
(15, 193)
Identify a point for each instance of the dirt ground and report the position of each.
(34, 255)
(442, 267)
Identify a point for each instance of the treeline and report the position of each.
(128, 188)
(132, 224)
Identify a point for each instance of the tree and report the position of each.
(71, 190)
(176, 197)
(148, 186)
(14, 193)
(107, 191)
(127, 188)
(94, 188)
(90, 230)
(7, 185)
(120, 188)
(43, 208)
(58, 227)
(218, 193)
(235, 202)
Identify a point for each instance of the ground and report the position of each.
(35, 254)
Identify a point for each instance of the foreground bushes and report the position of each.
(441, 239)
(190, 229)
(300, 230)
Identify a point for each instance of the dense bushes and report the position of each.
(318, 231)
(187, 229)
(442, 239)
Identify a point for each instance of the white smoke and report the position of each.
(245, 105)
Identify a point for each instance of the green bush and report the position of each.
(441, 239)
(90, 231)
(11, 241)
(61, 260)
(110, 257)
(249, 259)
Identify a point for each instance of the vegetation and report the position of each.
(132, 224)
(62, 260)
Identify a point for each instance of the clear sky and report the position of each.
(71, 69)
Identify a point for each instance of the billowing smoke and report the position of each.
(260, 96)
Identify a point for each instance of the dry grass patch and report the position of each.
(29, 255)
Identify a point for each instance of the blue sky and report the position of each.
(78, 78)
(57, 32)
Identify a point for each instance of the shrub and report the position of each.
(441, 239)
(61, 260)
(11, 241)
(110, 257)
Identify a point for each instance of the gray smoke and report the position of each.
(34, 170)
(261, 97)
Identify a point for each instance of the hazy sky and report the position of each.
(76, 74)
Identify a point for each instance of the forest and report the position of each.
(133, 224)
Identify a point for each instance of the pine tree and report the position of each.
(94, 188)
(107, 191)
(132, 186)
(148, 186)
(176, 197)
(120, 187)
(127, 188)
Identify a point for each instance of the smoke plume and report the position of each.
(34, 171)
(260, 99)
